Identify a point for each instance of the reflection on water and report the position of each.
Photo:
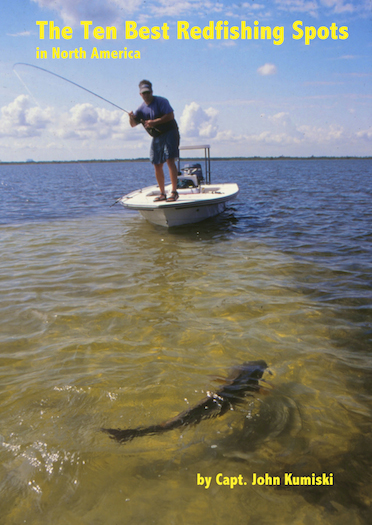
(107, 320)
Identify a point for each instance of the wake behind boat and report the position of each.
(198, 200)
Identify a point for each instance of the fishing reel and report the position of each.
(153, 132)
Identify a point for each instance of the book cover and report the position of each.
(227, 360)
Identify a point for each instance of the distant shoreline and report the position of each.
(144, 159)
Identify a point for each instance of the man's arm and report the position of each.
(133, 121)
(158, 121)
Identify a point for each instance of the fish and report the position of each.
(242, 383)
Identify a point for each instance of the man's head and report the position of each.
(145, 89)
(145, 86)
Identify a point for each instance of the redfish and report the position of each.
(244, 383)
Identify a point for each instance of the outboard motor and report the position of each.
(191, 177)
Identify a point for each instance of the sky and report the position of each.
(279, 77)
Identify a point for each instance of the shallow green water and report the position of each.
(106, 320)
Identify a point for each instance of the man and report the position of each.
(157, 116)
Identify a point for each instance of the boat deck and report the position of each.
(190, 197)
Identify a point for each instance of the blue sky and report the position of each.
(245, 97)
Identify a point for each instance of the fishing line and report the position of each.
(26, 87)
(67, 80)
(83, 168)
(153, 132)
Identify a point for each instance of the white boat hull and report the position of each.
(193, 205)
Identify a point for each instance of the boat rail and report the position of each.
(207, 159)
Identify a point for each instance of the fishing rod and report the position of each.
(151, 131)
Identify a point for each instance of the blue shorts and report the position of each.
(165, 147)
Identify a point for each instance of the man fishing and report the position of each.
(157, 116)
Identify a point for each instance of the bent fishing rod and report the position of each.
(151, 131)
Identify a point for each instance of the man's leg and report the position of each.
(159, 174)
(173, 172)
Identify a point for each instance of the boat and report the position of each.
(198, 200)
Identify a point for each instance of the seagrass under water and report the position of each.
(108, 321)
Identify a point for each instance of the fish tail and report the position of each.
(130, 433)
(122, 435)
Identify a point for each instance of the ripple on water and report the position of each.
(109, 321)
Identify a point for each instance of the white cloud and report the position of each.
(339, 6)
(175, 8)
(282, 130)
(267, 69)
(313, 7)
(282, 119)
(23, 33)
(365, 134)
(254, 6)
(197, 122)
(85, 121)
(19, 119)
(300, 6)
(106, 12)
(88, 131)
(320, 135)
(282, 136)
(114, 12)
(82, 132)
(102, 12)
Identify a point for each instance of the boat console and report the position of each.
(190, 176)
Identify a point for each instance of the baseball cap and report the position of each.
(145, 86)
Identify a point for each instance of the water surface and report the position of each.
(107, 320)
